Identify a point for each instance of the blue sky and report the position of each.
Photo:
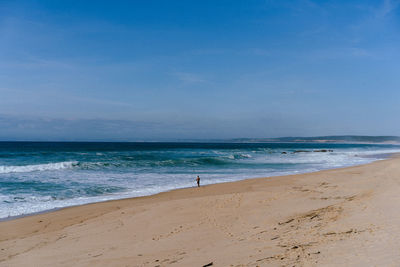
(166, 70)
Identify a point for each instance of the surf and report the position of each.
(38, 167)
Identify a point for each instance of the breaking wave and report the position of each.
(39, 167)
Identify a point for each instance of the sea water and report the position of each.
(36, 176)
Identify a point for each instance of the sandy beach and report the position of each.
(340, 217)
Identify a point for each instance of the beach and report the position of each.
(339, 217)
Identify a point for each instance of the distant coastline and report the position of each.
(350, 139)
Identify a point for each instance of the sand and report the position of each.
(341, 217)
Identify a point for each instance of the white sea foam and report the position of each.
(239, 156)
(38, 167)
(81, 185)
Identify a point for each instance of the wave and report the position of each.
(223, 159)
(180, 162)
(239, 156)
(39, 167)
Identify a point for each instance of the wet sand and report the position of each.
(341, 217)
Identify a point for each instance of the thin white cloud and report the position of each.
(260, 52)
(188, 77)
(343, 53)
(34, 63)
(387, 7)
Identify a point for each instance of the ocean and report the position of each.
(40, 176)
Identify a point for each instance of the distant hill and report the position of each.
(326, 139)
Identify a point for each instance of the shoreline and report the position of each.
(321, 218)
(383, 156)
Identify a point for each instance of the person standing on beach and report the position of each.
(198, 181)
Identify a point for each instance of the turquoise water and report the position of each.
(40, 176)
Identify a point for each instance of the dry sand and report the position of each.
(342, 217)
